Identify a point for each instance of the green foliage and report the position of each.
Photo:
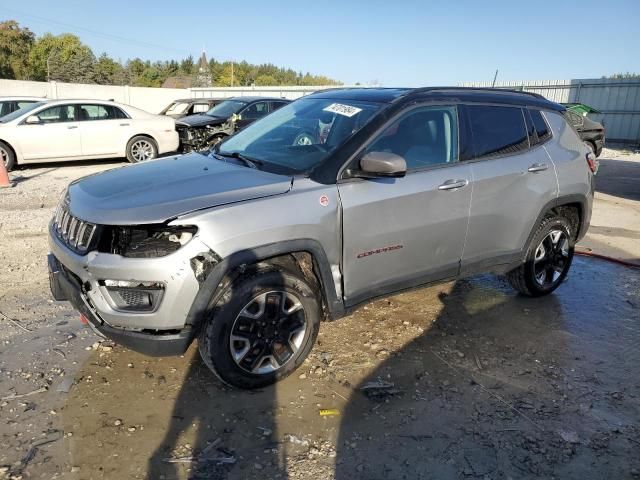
(15, 43)
(66, 59)
(624, 76)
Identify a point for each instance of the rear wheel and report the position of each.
(141, 148)
(548, 259)
(7, 156)
(261, 329)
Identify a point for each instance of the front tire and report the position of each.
(548, 259)
(141, 148)
(7, 156)
(261, 329)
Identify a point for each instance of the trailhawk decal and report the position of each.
(340, 109)
(380, 250)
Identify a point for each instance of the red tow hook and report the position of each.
(84, 320)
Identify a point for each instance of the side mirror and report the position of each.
(32, 120)
(383, 164)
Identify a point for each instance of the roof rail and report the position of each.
(479, 89)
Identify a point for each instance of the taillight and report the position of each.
(592, 161)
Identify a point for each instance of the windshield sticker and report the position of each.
(341, 109)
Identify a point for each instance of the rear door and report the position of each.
(402, 232)
(102, 129)
(56, 136)
(513, 179)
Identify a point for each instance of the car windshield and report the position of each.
(226, 108)
(21, 111)
(177, 108)
(302, 134)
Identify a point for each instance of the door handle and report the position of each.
(538, 167)
(453, 184)
(124, 124)
(71, 127)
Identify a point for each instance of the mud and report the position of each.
(460, 380)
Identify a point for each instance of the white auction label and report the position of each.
(341, 109)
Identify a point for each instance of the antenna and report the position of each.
(494, 79)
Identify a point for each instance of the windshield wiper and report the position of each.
(250, 162)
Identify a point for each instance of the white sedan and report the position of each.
(61, 130)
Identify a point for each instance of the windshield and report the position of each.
(20, 112)
(226, 108)
(301, 134)
(177, 108)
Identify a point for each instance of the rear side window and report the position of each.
(542, 129)
(497, 130)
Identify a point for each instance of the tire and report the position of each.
(540, 275)
(7, 156)
(141, 148)
(240, 341)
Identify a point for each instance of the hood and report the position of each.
(158, 190)
(200, 120)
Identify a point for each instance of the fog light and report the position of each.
(133, 296)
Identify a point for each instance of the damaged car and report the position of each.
(339, 198)
(201, 132)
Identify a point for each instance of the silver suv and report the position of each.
(336, 199)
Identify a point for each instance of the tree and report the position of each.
(265, 80)
(15, 43)
(63, 57)
(108, 72)
(187, 66)
(623, 76)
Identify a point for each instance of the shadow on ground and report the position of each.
(464, 380)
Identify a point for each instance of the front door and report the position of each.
(56, 136)
(403, 232)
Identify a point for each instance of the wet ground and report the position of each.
(461, 380)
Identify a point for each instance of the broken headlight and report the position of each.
(145, 241)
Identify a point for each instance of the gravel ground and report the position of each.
(460, 380)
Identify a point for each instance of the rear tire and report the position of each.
(261, 328)
(141, 148)
(548, 258)
(7, 156)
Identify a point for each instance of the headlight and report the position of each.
(145, 241)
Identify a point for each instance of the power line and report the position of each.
(96, 33)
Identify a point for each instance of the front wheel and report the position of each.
(548, 259)
(261, 329)
(7, 156)
(141, 148)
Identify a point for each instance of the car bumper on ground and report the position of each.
(65, 286)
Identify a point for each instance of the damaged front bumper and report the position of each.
(161, 330)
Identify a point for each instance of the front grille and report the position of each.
(184, 133)
(75, 233)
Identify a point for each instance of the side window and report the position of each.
(255, 110)
(497, 130)
(542, 129)
(424, 137)
(58, 114)
(23, 104)
(276, 105)
(200, 107)
(96, 112)
(6, 108)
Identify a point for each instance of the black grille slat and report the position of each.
(74, 232)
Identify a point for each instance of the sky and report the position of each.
(393, 43)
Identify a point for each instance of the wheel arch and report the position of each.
(577, 208)
(147, 135)
(305, 255)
